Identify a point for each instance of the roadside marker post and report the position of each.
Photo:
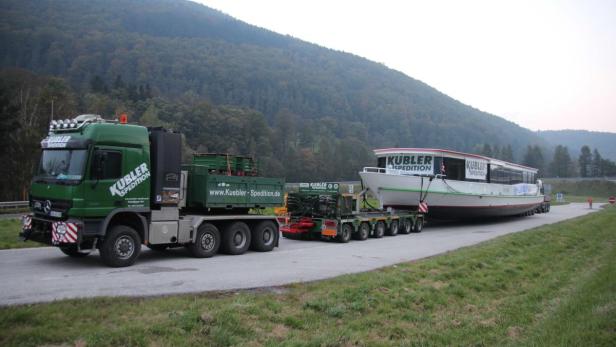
(612, 200)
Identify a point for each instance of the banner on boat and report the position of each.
(410, 164)
(476, 169)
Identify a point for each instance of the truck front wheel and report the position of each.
(207, 242)
(264, 236)
(121, 246)
(236, 238)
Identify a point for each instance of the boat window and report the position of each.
(501, 175)
(382, 162)
(454, 168)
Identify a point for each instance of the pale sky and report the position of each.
(541, 64)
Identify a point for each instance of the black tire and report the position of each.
(121, 246)
(206, 243)
(158, 248)
(379, 230)
(418, 226)
(406, 227)
(345, 233)
(73, 252)
(264, 236)
(236, 238)
(363, 232)
(393, 229)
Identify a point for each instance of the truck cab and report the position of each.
(113, 186)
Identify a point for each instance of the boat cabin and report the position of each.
(453, 165)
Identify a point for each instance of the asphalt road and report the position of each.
(45, 274)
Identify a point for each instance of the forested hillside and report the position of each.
(306, 112)
(603, 141)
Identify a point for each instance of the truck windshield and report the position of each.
(62, 165)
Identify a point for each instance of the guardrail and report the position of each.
(7, 206)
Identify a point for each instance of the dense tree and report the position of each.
(596, 164)
(534, 158)
(561, 165)
(120, 50)
(585, 162)
(487, 150)
(507, 154)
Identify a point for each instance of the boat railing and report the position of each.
(375, 169)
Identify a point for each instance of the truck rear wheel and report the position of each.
(207, 242)
(264, 236)
(362, 232)
(418, 226)
(407, 226)
(393, 228)
(73, 252)
(121, 246)
(379, 230)
(236, 238)
(345, 233)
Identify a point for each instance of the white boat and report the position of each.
(453, 184)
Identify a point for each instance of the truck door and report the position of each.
(105, 169)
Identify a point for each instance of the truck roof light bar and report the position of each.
(75, 123)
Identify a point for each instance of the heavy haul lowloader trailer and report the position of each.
(113, 186)
(319, 210)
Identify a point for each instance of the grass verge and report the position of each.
(9, 232)
(552, 285)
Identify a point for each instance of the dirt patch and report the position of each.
(514, 332)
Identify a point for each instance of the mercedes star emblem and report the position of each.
(47, 207)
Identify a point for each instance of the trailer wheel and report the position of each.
(418, 226)
(379, 230)
(264, 236)
(345, 233)
(236, 238)
(121, 246)
(73, 252)
(393, 228)
(407, 226)
(207, 242)
(362, 232)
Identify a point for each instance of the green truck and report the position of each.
(113, 186)
(320, 210)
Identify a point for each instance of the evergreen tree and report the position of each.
(487, 150)
(561, 164)
(596, 164)
(97, 85)
(507, 154)
(585, 162)
(534, 158)
(496, 152)
(118, 83)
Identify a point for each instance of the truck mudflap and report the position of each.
(50, 232)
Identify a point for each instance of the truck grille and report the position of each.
(50, 208)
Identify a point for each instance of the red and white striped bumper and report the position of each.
(26, 222)
(64, 232)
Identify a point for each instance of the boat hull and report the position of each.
(452, 199)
